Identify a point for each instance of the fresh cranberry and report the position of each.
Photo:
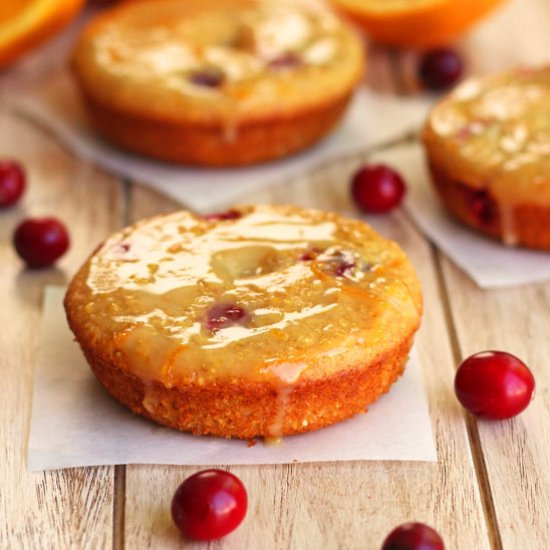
(40, 241)
(209, 77)
(439, 69)
(224, 315)
(223, 216)
(12, 182)
(413, 536)
(209, 505)
(482, 206)
(377, 188)
(494, 384)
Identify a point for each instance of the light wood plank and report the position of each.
(515, 453)
(337, 505)
(300, 506)
(517, 33)
(60, 509)
(43, 61)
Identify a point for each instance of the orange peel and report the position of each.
(24, 24)
(415, 23)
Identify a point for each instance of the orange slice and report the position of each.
(26, 23)
(415, 23)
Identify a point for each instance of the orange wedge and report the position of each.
(26, 23)
(415, 23)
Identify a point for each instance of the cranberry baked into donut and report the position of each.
(266, 321)
(488, 148)
(216, 83)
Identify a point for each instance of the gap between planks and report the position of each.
(480, 467)
(119, 492)
(119, 506)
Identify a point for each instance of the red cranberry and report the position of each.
(439, 69)
(494, 384)
(41, 241)
(223, 216)
(377, 188)
(209, 77)
(224, 315)
(413, 536)
(12, 182)
(209, 505)
(482, 205)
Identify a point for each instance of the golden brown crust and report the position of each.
(213, 145)
(268, 379)
(245, 410)
(529, 224)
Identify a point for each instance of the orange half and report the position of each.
(415, 23)
(24, 24)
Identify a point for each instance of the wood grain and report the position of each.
(511, 458)
(67, 508)
(515, 454)
(491, 485)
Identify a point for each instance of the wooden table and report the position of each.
(491, 485)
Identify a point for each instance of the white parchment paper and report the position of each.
(488, 262)
(75, 422)
(371, 119)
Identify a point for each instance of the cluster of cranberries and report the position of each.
(38, 241)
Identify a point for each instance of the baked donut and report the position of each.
(213, 83)
(261, 321)
(488, 149)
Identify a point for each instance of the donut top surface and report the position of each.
(494, 133)
(260, 292)
(201, 60)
